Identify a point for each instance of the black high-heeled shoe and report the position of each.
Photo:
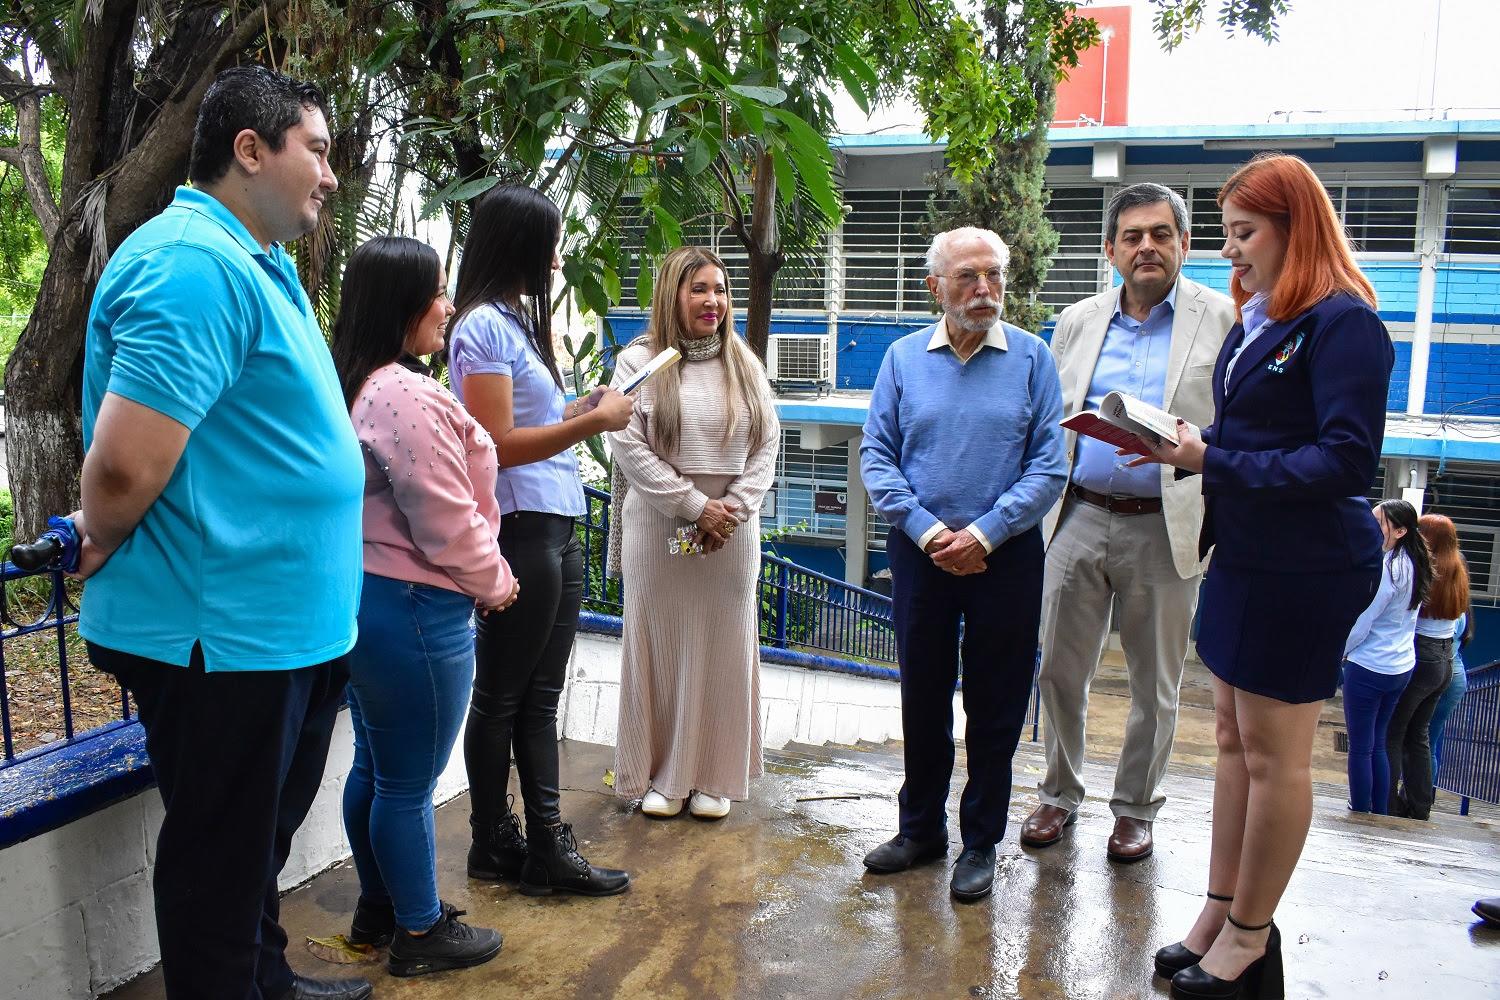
(1175, 957)
(1262, 979)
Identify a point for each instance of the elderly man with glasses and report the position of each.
(963, 456)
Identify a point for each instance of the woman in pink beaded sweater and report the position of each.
(431, 557)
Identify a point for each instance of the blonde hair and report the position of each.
(744, 375)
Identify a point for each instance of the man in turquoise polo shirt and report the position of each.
(222, 491)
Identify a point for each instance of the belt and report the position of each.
(1116, 505)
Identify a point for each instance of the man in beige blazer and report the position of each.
(1121, 534)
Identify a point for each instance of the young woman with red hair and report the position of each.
(1300, 390)
(1407, 741)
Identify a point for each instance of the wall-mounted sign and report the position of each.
(829, 502)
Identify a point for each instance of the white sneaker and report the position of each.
(708, 806)
(654, 803)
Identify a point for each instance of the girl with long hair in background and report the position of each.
(1407, 739)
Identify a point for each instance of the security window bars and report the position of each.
(1472, 225)
(1379, 218)
(798, 285)
(1470, 496)
(886, 234)
(1077, 213)
(800, 474)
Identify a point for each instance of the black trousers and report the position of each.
(521, 660)
(1407, 743)
(1001, 612)
(238, 758)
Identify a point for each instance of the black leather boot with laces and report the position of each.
(553, 864)
(498, 850)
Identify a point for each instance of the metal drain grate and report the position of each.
(1340, 741)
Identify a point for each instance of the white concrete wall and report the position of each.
(75, 904)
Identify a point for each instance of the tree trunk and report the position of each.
(43, 425)
(766, 258)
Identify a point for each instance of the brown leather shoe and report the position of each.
(1131, 840)
(1044, 827)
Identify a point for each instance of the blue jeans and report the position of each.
(1447, 702)
(409, 684)
(1369, 701)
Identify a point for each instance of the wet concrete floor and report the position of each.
(774, 903)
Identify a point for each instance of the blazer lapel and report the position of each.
(1250, 358)
(1186, 318)
(1090, 344)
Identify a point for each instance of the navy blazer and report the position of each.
(1296, 441)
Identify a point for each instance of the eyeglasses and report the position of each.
(968, 279)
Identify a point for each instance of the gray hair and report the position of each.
(1137, 195)
(937, 253)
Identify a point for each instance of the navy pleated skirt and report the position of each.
(1281, 635)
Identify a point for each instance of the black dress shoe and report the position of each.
(328, 989)
(1488, 910)
(1261, 980)
(1174, 958)
(974, 875)
(901, 852)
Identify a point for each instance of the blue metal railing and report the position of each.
(55, 617)
(804, 609)
(1470, 764)
(800, 609)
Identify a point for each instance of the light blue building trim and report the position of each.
(1175, 134)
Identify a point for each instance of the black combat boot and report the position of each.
(498, 851)
(553, 864)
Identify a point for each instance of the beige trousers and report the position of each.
(1093, 558)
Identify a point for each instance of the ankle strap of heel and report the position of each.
(1218, 898)
(1247, 927)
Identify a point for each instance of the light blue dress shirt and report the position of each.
(253, 550)
(1381, 640)
(1254, 319)
(1133, 360)
(490, 340)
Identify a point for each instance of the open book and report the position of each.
(1120, 418)
(666, 359)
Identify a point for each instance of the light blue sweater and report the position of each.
(1382, 638)
(960, 444)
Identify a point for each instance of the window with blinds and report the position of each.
(1472, 224)
(886, 235)
(1077, 213)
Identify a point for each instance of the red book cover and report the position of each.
(1092, 425)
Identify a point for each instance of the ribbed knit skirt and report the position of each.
(690, 673)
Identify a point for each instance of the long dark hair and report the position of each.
(389, 283)
(1450, 591)
(513, 233)
(1401, 514)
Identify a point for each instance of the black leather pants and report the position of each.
(521, 657)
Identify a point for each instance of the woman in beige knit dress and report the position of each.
(699, 454)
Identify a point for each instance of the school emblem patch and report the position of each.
(1284, 353)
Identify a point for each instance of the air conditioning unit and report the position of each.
(800, 359)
